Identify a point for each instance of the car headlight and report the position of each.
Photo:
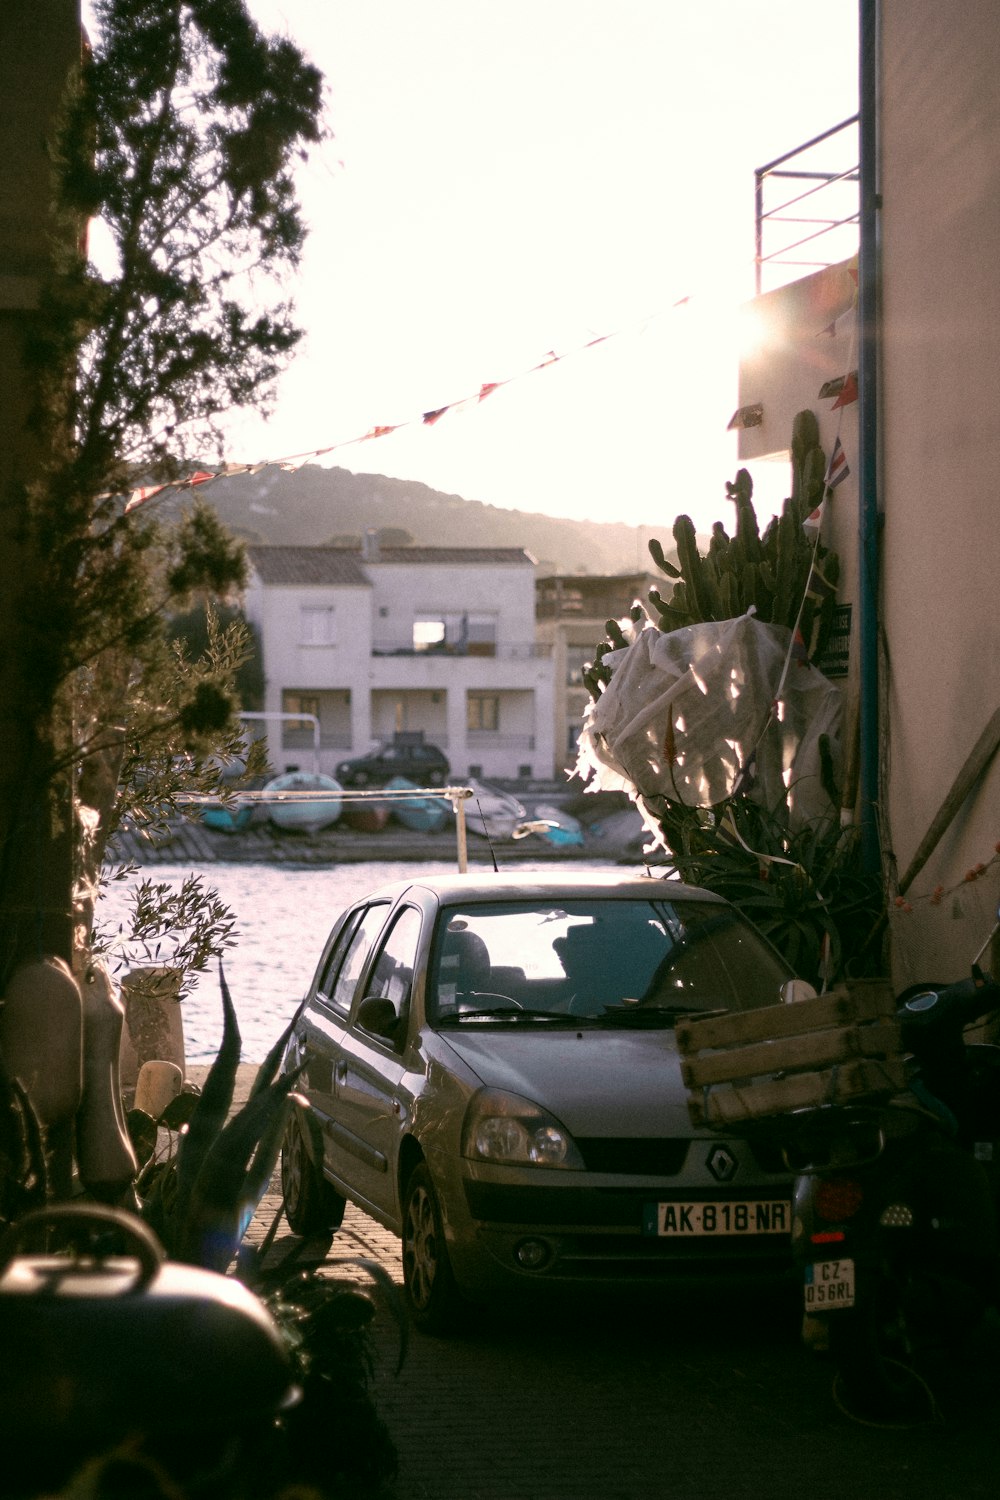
(504, 1128)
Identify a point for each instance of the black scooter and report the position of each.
(897, 1206)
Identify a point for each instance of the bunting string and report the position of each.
(293, 462)
(844, 388)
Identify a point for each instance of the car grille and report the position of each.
(498, 1203)
(633, 1156)
(597, 1259)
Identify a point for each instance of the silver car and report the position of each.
(492, 1074)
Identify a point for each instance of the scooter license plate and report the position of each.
(829, 1285)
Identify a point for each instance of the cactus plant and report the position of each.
(769, 573)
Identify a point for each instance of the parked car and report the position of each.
(492, 1073)
(424, 765)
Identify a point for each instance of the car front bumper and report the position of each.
(508, 1236)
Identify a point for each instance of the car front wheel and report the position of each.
(434, 1300)
(312, 1206)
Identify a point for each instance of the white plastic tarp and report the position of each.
(686, 712)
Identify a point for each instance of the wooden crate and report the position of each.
(749, 1065)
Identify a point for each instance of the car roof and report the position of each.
(545, 885)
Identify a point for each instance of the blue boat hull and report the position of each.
(309, 814)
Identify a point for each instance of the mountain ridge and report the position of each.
(314, 504)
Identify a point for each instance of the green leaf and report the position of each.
(212, 1108)
(211, 1227)
(179, 1111)
(142, 1130)
(269, 1067)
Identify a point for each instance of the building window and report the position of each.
(316, 626)
(482, 711)
(577, 658)
(481, 635)
(455, 634)
(300, 703)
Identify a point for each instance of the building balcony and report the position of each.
(807, 207)
(502, 651)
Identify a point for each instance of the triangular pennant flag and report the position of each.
(838, 468)
(819, 586)
(814, 519)
(430, 417)
(746, 416)
(849, 391)
(140, 496)
(836, 385)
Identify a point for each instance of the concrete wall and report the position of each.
(939, 449)
(801, 336)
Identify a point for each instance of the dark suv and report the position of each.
(425, 765)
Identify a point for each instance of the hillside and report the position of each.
(315, 505)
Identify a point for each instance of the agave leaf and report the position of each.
(265, 1158)
(389, 1291)
(209, 1116)
(25, 1185)
(268, 1069)
(142, 1134)
(209, 1230)
(159, 1203)
(179, 1111)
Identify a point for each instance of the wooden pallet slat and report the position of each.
(835, 1048)
(814, 1049)
(729, 1104)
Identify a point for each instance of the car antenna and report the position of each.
(493, 853)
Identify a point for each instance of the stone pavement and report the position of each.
(679, 1397)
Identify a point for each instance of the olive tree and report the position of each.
(177, 142)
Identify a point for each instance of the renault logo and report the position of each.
(722, 1164)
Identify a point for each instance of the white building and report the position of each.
(374, 641)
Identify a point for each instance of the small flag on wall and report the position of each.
(838, 467)
(849, 392)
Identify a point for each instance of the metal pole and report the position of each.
(868, 493)
(758, 178)
(463, 853)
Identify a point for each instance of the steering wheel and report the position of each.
(584, 1005)
(479, 996)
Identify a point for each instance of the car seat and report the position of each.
(464, 968)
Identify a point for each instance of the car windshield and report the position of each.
(603, 962)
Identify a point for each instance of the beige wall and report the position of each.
(939, 456)
(804, 335)
(940, 164)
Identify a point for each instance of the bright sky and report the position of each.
(509, 179)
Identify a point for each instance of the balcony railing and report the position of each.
(303, 739)
(819, 222)
(489, 739)
(508, 651)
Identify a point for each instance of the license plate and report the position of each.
(683, 1220)
(829, 1285)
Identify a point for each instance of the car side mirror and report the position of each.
(378, 1015)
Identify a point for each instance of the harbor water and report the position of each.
(283, 917)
